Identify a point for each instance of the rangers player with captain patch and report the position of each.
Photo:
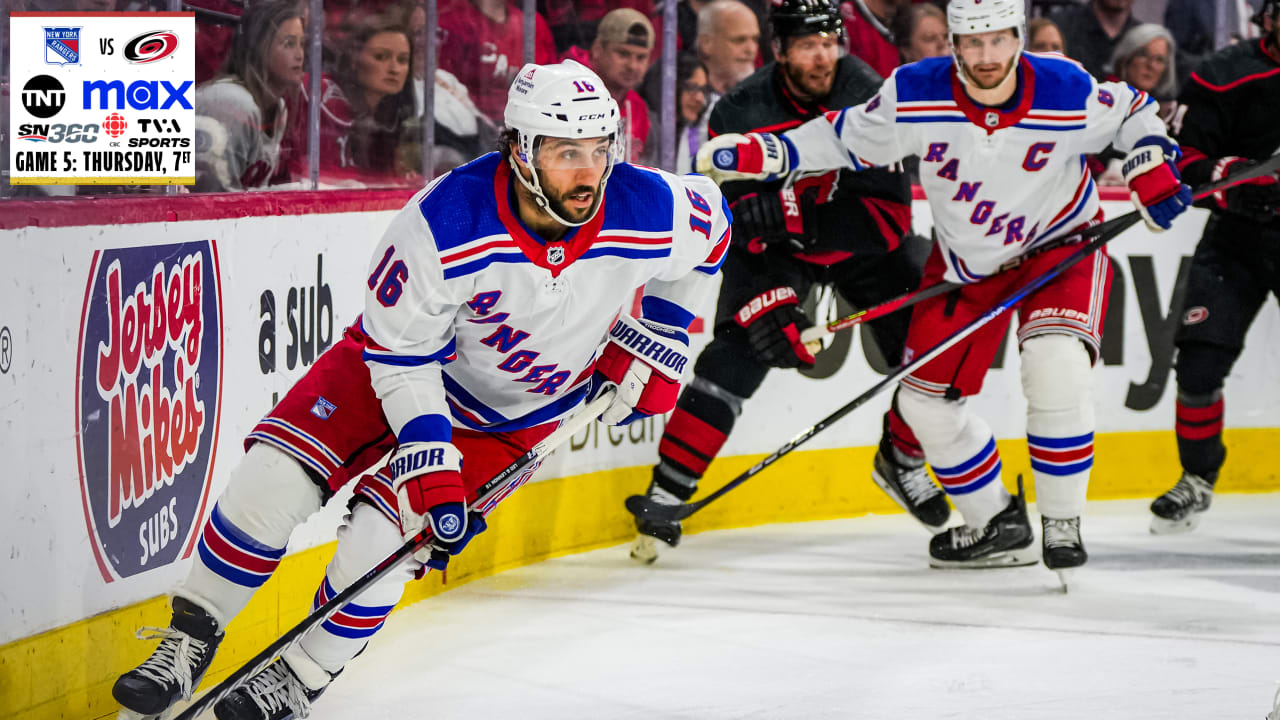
(495, 306)
(1002, 137)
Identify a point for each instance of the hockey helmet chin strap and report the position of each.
(539, 197)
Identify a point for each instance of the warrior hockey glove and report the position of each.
(1154, 183)
(754, 156)
(774, 321)
(769, 218)
(645, 360)
(1257, 199)
(427, 477)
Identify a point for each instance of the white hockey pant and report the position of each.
(242, 542)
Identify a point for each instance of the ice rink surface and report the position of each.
(844, 619)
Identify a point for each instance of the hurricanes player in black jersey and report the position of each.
(1225, 122)
(840, 229)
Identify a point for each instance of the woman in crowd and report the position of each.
(1144, 59)
(243, 135)
(920, 31)
(1043, 36)
(373, 74)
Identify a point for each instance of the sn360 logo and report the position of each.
(59, 132)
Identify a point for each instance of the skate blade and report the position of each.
(897, 499)
(1065, 577)
(1161, 526)
(644, 549)
(1017, 557)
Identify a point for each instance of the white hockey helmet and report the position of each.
(966, 17)
(566, 100)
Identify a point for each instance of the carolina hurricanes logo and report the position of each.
(150, 47)
(147, 401)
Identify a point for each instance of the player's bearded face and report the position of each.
(987, 57)
(809, 63)
(570, 172)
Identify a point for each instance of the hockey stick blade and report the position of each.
(484, 494)
(645, 509)
(813, 336)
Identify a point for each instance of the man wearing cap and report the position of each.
(620, 56)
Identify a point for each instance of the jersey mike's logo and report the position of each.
(150, 47)
(148, 396)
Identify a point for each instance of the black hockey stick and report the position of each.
(642, 507)
(484, 494)
(814, 335)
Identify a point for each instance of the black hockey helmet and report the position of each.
(1270, 8)
(793, 18)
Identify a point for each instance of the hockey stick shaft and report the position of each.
(818, 333)
(679, 512)
(484, 494)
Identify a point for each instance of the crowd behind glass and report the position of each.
(264, 123)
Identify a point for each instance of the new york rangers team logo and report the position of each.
(62, 45)
(147, 401)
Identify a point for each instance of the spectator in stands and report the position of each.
(1043, 36)
(242, 117)
(728, 44)
(373, 74)
(461, 130)
(482, 44)
(1144, 58)
(1092, 31)
(574, 22)
(691, 106)
(866, 25)
(920, 31)
(1193, 24)
(620, 56)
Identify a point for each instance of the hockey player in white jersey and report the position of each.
(497, 303)
(1002, 137)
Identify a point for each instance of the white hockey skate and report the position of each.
(1180, 509)
(1063, 550)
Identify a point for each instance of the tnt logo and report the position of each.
(148, 396)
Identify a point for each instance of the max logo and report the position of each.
(148, 396)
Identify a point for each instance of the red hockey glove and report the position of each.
(645, 360)
(427, 477)
(1257, 199)
(766, 219)
(774, 321)
(754, 156)
(1154, 182)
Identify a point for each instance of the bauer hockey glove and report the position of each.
(645, 360)
(754, 156)
(427, 477)
(774, 322)
(1257, 199)
(1151, 172)
(771, 218)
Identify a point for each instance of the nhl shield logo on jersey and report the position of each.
(148, 395)
(62, 45)
(992, 119)
(555, 253)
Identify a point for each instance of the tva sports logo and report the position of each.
(147, 401)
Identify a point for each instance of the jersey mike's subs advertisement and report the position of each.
(102, 98)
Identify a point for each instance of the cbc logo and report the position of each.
(43, 96)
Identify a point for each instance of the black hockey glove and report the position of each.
(1257, 199)
(776, 218)
(774, 321)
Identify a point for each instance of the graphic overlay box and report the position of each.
(102, 98)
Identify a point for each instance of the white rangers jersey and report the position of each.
(475, 322)
(998, 180)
